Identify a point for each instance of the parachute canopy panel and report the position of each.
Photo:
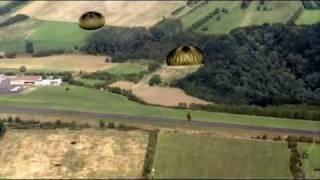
(185, 55)
(91, 20)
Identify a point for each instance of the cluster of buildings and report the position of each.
(12, 84)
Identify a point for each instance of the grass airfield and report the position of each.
(92, 100)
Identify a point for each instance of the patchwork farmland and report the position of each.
(77, 154)
(181, 155)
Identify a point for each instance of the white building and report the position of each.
(34, 81)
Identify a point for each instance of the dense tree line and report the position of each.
(2, 129)
(11, 6)
(261, 65)
(140, 43)
(296, 168)
(283, 111)
(311, 4)
(13, 20)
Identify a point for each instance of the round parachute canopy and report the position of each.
(91, 20)
(185, 55)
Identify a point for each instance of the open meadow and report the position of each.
(72, 154)
(92, 100)
(44, 35)
(309, 17)
(127, 68)
(180, 155)
(276, 12)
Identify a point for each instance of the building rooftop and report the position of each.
(25, 78)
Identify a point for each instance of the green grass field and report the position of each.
(127, 68)
(194, 156)
(313, 161)
(278, 12)
(57, 35)
(44, 35)
(86, 99)
(309, 17)
(3, 3)
(90, 82)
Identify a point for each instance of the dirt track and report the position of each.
(153, 120)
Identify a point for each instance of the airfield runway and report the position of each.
(152, 120)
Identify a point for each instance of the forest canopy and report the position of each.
(261, 65)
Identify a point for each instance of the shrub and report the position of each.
(292, 144)
(22, 69)
(155, 80)
(2, 129)
(265, 137)
(85, 125)
(305, 155)
(153, 66)
(111, 125)
(48, 53)
(277, 138)
(58, 123)
(10, 119)
(123, 127)
(305, 139)
(10, 54)
(204, 28)
(29, 47)
(102, 124)
(17, 119)
(183, 105)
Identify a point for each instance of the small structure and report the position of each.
(34, 81)
(25, 80)
(50, 81)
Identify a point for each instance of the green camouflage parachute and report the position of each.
(186, 55)
(91, 20)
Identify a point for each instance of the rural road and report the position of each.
(152, 120)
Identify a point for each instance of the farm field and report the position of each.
(127, 68)
(309, 17)
(165, 96)
(43, 34)
(57, 35)
(180, 155)
(54, 63)
(278, 12)
(19, 32)
(94, 154)
(86, 99)
(115, 12)
(3, 3)
(313, 161)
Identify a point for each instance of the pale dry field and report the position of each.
(117, 13)
(85, 63)
(50, 154)
(165, 96)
